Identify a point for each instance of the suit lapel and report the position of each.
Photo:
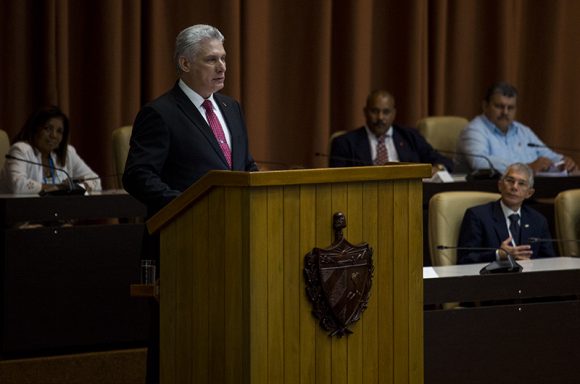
(400, 146)
(363, 146)
(499, 222)
(526, 225)
(198, 121)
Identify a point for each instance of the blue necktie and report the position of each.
(515, 227)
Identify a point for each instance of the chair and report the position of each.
(446, 210)
(442, 131)
(4, 146)
(333, 136)
(567, 218)
(121, 138)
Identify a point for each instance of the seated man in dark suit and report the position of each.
(380, 141)
(506, 224)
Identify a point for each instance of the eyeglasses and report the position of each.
(511, 180)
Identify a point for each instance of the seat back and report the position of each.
(333, 136)
(567, 217)
(446, 211)
(121, 137)
(442, 131)
(4, 146)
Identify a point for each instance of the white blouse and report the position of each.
(21, 177)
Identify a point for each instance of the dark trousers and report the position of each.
(150, 251)
(153, 346)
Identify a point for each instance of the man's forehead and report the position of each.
(501, 98)
(517, 175)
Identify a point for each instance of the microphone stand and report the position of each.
(73, 189)
(479, 174)
(495, 267)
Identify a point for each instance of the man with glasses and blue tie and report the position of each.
(506, 225)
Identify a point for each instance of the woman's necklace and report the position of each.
(51, 171)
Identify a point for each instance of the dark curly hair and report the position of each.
(37, 121)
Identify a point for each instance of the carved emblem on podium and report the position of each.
(338, 280)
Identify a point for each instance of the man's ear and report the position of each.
(530, 193)
(184, 64)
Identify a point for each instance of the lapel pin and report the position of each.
(526, 225)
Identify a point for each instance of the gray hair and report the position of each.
(523, 168)
(188, 41)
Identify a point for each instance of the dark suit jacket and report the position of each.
(353, 149)
(172, 146)
(485, 226)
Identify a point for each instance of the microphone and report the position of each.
(540, 240)
(346, 159)
(537, 145)
(441, 247)
(479, 174)
(73, 189)
(495, 267)
(281, 164)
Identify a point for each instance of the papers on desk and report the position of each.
(556, 170)
(552, 174)
(440, 177)
(429, 273)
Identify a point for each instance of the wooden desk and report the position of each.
(546, 187)
(65, 289)
(530, 333)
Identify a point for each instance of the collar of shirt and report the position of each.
(492, 127)
(391, 149)
(507, 212)
(195, 97)
(374, 139)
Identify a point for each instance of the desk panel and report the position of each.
(526, 343)
(65, 289)
(527, 332)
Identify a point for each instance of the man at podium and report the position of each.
(191, 129)
(183, 134)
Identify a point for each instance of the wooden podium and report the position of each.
(232, 291)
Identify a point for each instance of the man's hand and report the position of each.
(569, 164)
(541, 164)
(519, 252)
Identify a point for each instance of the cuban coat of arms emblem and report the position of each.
(338, 281)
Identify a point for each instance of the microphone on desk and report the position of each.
(541, 240)
(479, 174)
(279, 163)
(495, 267)
(73, 189)
(538, 145)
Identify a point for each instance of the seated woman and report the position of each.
(44, 140)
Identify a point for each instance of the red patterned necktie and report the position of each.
(217, 130)
(382, 153)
